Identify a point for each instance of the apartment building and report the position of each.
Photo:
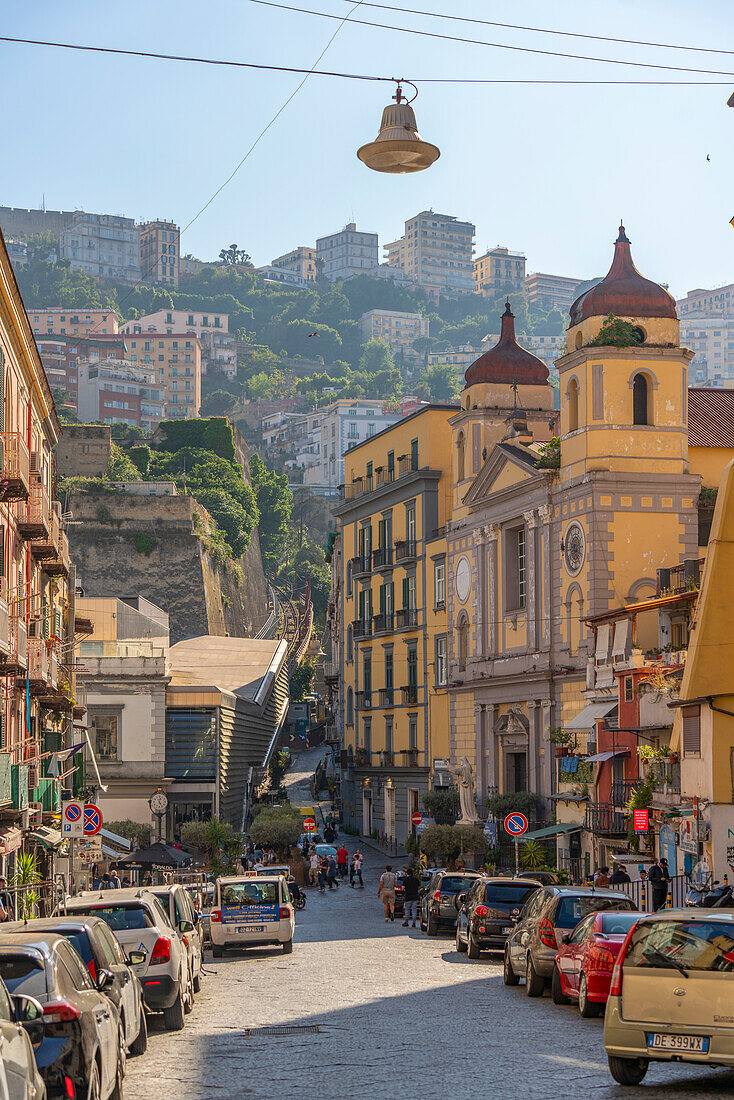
(711, 338)
(343, 425)
(393, 648)
(551, 291)
(218, 344)
(102, 245)
(436, 251)
(272, 274)
(347, 253)
(60, 356)
(397, 329)
(301, 261)
(176, 357)
(160, 250)
(461, 357)
(58, 321)
(118, 392)
(700, 302)
(499, 271)
(189, 265)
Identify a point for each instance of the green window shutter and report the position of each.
(383, 597)
(361, 604)
(406, 593)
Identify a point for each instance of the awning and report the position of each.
(156, 856)
(590, 715)
(110, 853)
(50, 838)
(126, 844)
(599, 756)
(552, 830)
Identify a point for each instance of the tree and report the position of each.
(301, 680)
(120, 467)
(440, 382)
(277, 827)
(234, 256)
(450, 842)
(259, 386)
(616, 333)
(131, 830)
(218, 841)
(376, 356)
(275, 504)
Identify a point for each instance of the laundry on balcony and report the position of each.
(570, 764)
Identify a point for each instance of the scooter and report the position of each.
(298, 896)
(718, 896)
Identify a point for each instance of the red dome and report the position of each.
(623, 292)
(507, 361)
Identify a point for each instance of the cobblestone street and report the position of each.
(399, 1015)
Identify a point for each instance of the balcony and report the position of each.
(382, 558)
(19, 785)
(16, 661)
(654, 710)
(360, 565)
(622, 791)
(384, 475)
(405, 550)
(38, 676)
(4, 628)
(604, 818)
(362, 628)
(384, 623)
(47, 546)
(685, 577)
(407, 618)
(15, 467)
(60, 565)
(34, 514)
(387, 697)
(363, 700)
(409, 695)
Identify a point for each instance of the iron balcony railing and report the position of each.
(384, 475)
(685, 577)
(383, 623)
(605, 818)
(410, 695)
(622, 791)
(360, 564)
(15, 467)
(407, 618)
(382, 557)
(364, 700)
(405, 548)
(362, 628)
(387, 697)
(34, 514)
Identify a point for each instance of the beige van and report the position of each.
(671, 997)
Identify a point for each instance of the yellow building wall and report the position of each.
(710, 463)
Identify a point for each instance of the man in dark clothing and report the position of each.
(331, 873)
(659, 878)
(619, 875)
(412, 889)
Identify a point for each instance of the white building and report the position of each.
(343, 425)
(282, 275)
(348, 253)
(707, 328)
(117, 391)
(301, 261)
(437, 251)
(396, 328)
(103, 245)
(551, 291)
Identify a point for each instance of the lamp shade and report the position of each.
(398, 147)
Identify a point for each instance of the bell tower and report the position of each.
(624, 388)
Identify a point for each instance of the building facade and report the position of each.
(176, 359)
(347, 253)
(300, 261)
(160, 251)
(117, 391)
(102, 245)
(707, 327)
(437, 251)
(397, 329)
(551, 291)
(16, 222)
(60, 356)
(499, 271)
(218, 344)
(57, 321)
(343, 425)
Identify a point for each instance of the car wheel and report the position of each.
(217, 951)
(189, 998)
(508, 974)
(431, 926)
(534, 984)
(472, 947)
(460, 945)
(197, 983)
(627, 1071)
(173, 1017)
(559, 997)
(140, 1043)
(94, 1088)
(588, 1009)
(116, 1093)
(288, 947)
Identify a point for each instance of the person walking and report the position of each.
(659, 877)
(313, 867)
(357, 869)
(412, 889)
(342, 858)
(601, 878)
(386, 890)
(331, 873)
(322, 873)
(619, 875)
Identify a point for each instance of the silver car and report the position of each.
(176, 900)
(19, 1076)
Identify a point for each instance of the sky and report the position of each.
(546, 170)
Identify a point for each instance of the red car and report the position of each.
(586, 958)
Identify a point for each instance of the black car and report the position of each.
(489, 912)
(100, 952)
(82, 1054)
(438, 906)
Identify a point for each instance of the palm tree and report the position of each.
(24, 881)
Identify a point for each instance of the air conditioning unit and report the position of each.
(32, 777)
(36, 462)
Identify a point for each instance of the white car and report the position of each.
(142, 925)
(177, 902)
(252, 910)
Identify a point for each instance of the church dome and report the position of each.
(507, 362)
(623, 291)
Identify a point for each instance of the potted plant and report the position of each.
(562, 739)
(362, 758)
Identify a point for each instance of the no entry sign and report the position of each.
(516, 824)
(309, 825)
(417, 818)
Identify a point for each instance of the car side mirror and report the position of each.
(29, 1014)
(185, 926)
(104, 978)
(461, 899)
(566, 938)
(136, 958)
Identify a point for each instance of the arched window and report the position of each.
(350, 707)
(573, 405)
(460, 457)
(640, 400)
(350, 643)
(463, 630)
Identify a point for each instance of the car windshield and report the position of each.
(507, 897)
(618, 924)
(573, 909)
(693, 945)
(120, 918)
(23, 974)
(250, 893)
(454, 884)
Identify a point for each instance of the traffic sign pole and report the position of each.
(517, 856)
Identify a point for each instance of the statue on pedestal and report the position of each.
(465, 782)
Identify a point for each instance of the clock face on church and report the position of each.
(574, 548)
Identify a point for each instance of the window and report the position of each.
(412, 731)
(573, 405)
(463, 633)
(640, 400)
(515, 569)
(441, 662)
(104, 736)
(439, 584)
(389, 673)
(367, 677)
(350, 707)
(410, 523)
(388, 735)
(692, 731)
(460, 465)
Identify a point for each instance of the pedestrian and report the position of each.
(313, 867)
(240, 869)
(659, 878)
(331, 873)
(411, 894)
(148, 879)
(619, 875)
(386, 890)
(6, 900)
(355, 870)
(601, 878)
(322, 873)
(126, 881)
(342, 858)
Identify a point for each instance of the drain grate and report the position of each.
(285, 1029)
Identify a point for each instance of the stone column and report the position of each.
(531, 583)
(490, 717)
(534, 781)
(480, 753)
(492, 586)
(480, 600)
(548, 761)
(545, 514)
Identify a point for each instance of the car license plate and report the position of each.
(250, 928)
(506, 930)
(692, 1044)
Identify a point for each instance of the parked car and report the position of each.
(21, 1029)
(202, 898)
(438, 906)
(141, 924)
(253, 911)
(488, 913)
(671, 993)
(547, 878)
(327, 850)
(182, 915)
(101, 953)
(585, 960)
(549, 913)
(82, 1053)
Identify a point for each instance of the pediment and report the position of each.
(505, 468)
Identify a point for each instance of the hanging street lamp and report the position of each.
(398, 147)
